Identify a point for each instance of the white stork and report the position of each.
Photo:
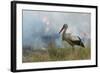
(72, 40)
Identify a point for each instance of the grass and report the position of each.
(57, 54)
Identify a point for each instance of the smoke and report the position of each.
(40, 24)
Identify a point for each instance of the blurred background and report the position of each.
(42, 27)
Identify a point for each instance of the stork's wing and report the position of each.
(74, 38)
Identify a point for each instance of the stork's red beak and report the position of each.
(61, 29)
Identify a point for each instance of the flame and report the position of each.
(45, 18)
(47, 22)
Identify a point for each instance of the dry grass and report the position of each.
(58, 54)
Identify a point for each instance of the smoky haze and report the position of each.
(39, 27)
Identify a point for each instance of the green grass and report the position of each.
(58, 54)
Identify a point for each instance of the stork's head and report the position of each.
(65, 26)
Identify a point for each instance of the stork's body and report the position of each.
(72, 40)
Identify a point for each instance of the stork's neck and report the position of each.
(64, 33)
(64, 30)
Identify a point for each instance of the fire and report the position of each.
(47, 22)
(45, 19)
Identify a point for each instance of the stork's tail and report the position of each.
(81, 43)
